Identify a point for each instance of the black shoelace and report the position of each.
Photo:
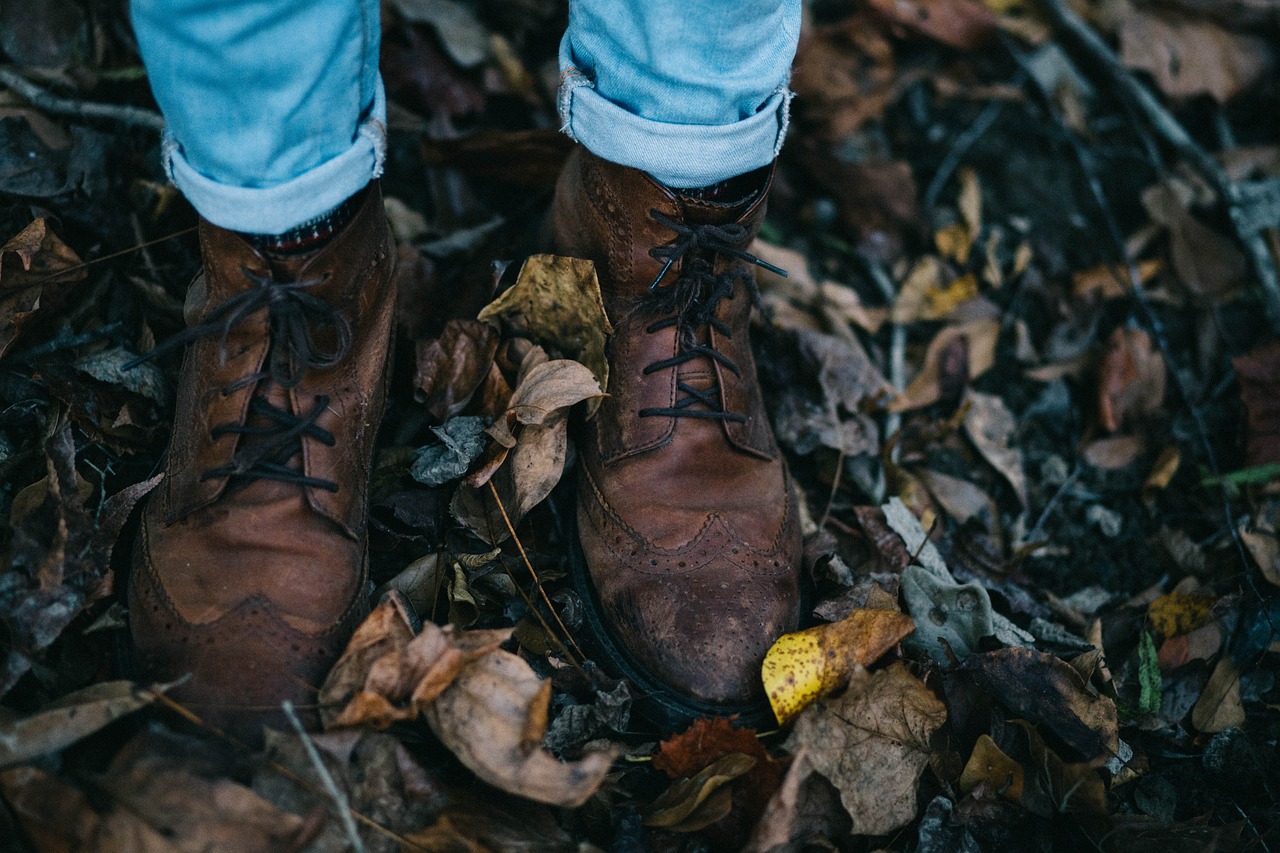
(295, 316)
(690, 303)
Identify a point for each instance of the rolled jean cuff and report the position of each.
(677, 155)
(276, 209)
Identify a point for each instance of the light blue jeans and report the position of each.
(276, 112)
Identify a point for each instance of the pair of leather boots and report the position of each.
(250, 568)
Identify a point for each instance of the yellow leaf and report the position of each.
(988, 764)
(816, 662)
(944, 300)
(1179, 613)
(970, 201)
(1162, 472)
(954, 242)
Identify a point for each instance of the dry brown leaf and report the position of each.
(67, 720)
(991, 428)
(1192, 56)
(1047, 691)
(556, 302)
(988, 765)
(926, 388)
(453, 367)
(493, 718)
(807, 665)
(1114, 452)
(542, 392)
(872, 743)
(35, 269)
(1259, 375)
(844, 76)
(1219, 705)
(962, 24)
(696, 802)
(961, 499)
(1209, 264)
(1131, 381)
(1112, 280)
(1053, 786)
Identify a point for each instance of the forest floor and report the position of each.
(1024, 369)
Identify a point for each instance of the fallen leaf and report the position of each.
(1047, 691)
(480, 825)
(805, 810)
(951, 618)
(452, 367)
(1113, 452)
(1111, 281)
(844, 76)
(65, 721)
(1179, 613)
(1208, 264)
(493, 718)
(705, 741)
(1264, 547)
(872, 744)
(387, 674)
(150, 802)
(695, 803)
(961, 499)
(926, 388)
(1053, 786)
(1131, 380)
(462, 441)
(1259, 375)
(1149, 680)
(807, 665)
(461, 34)
(1166, 465)
(1219, 705)
(35, 269)
(1191, 56)
(556, 302)
(989, 765)
(541, 393)
(991, 427)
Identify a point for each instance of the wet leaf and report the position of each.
(556, 302)
(462, 440)
(1219, 705)
(1047, 691)
(807, 665)
(872, 743)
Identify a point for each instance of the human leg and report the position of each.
(249, 570)
(687, 520)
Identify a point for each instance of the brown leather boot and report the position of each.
(249, 571)
(686, 515)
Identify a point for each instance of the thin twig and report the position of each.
(1163, 122)
(73, 108)
(340, 802)
(897, 343)
(196, 720)
(966, 141)
(536, 580)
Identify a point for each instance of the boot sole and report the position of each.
(654, 700)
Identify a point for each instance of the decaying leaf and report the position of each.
(695, 803)
(556, 302)
(1259, 374)
(872, 743)
(806, 665)
(991, 427)
(705, 741)
(979, 338)
(479, 825)
(1131, 381)
(1208, 264)
(493, 718)
(988, 765)
(1192, 56)
(535, 428)
(1054, 786)
(35, 269)
(1219, 705)
(1046, 690)
(388, 674)
(150, 801)
(1179, 612)
(67, 720)
(452, 367)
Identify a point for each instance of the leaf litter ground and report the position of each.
(1021, 367)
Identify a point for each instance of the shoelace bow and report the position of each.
(294, 318)
(691, 301)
